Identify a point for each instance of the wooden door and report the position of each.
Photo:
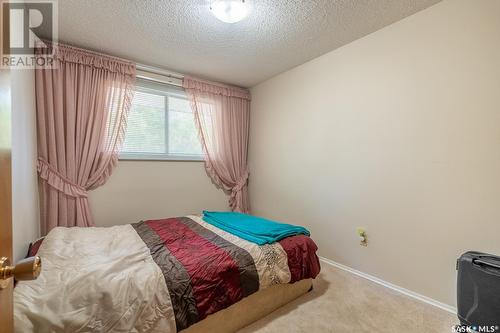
(6, 315)
(6, 309)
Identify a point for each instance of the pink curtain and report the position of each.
(82, 106)
(222, 115)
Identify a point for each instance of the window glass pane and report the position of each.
(146, 124)
(182, 132)
(155, 132)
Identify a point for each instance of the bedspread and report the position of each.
(152, 276)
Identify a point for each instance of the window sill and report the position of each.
(159, 158)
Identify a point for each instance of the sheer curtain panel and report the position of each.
(222, 116)
(82, 105)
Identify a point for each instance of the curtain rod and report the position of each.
(159, 71)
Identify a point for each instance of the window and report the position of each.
(160, 125)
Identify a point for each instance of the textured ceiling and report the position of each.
(183, 36)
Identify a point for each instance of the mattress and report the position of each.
(152, 276)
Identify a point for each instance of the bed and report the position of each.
(168, 275)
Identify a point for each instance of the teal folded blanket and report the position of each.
(252, 228)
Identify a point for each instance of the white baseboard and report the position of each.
(386, 284)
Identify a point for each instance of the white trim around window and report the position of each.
(159, 157)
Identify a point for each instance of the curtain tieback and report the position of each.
(240, 183)
(58, 181)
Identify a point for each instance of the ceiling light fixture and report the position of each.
(229, 11)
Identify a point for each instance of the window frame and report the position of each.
(149, 86)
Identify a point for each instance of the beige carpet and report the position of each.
(343, 302)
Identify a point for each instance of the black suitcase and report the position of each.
(478, 289)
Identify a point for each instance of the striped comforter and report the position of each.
(152, 276)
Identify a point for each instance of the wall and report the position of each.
(25, 214)
(398, 132)
(140, 190)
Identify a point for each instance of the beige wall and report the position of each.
(25, 216)
(398, 132)
(145, 190)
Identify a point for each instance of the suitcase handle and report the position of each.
(485, 263)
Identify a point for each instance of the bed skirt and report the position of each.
(251, 308)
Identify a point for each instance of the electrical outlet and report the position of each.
(363, 239)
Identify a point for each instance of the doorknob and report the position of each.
(26, 269)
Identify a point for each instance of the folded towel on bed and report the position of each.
(252, 228)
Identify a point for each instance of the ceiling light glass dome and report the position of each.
(229, 11)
